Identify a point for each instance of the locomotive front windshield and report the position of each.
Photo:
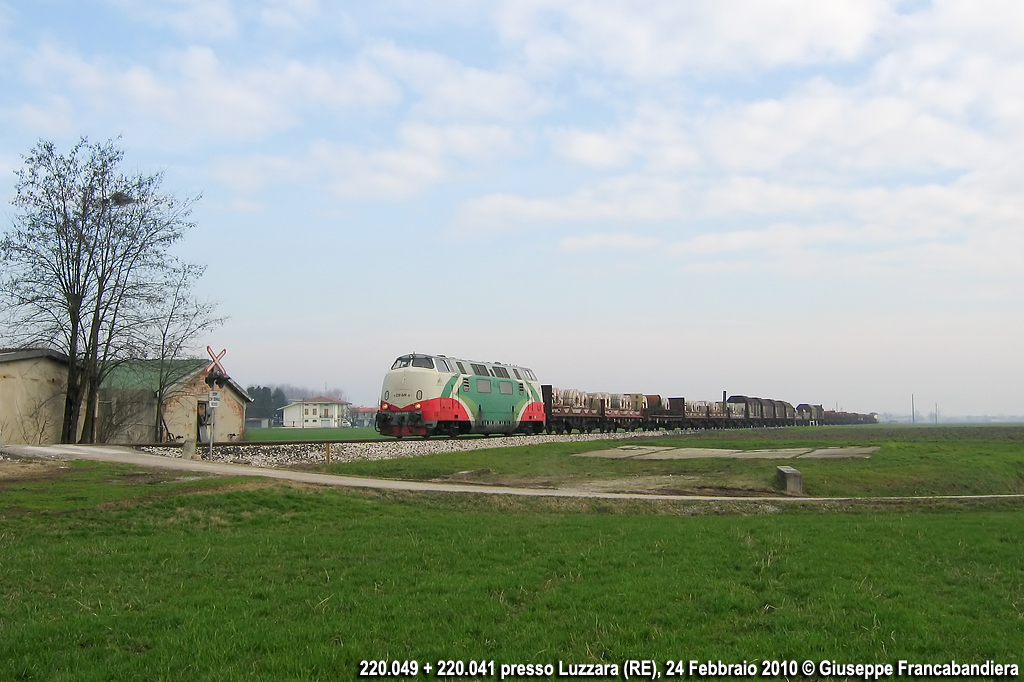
(413, 361)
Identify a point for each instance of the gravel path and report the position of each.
(315, 453)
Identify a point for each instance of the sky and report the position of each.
(813, 202)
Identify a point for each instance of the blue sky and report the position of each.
(816, 202)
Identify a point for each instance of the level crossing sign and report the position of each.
(214, 399)
(216, 360)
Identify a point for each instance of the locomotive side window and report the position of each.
(462, 370)
(483, 385)
(516, 372)
(501, 372)
(402, 362)
(480, 370)
(442, 365)
(505, 387)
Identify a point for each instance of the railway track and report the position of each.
(349, 441)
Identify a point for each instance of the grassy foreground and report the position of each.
(113, 573)
(911, 461)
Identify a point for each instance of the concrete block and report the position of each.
(792, 479)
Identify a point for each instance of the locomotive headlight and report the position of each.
(417, 406)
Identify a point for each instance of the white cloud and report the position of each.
(200, 19)
(289, 15)
(624, 199)
(756, 195)
(423, 156)
(667, 38)
(620, 241)
(777, 238)
(656, 136)
(53, 117)
(448, 90)
(196, 95)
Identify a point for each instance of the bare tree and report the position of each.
(177, 323)
(85, 264)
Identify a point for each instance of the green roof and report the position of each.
(145, 374)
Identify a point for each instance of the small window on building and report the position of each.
(483, 385)
(505, 387)
(305, 411)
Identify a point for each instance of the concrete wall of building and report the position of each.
(126, 416)
(32, 393)
(182, 411)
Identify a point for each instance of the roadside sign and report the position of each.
(214, 399)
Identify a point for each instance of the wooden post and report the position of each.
(328, 453)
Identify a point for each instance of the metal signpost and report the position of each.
(213, 399)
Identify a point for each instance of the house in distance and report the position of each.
(315, 413)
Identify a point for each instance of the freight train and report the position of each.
(435, 395)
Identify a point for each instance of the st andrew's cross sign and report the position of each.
(216, 361)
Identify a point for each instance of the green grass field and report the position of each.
(109, 572)
(911, 461)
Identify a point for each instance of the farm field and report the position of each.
(111, 572)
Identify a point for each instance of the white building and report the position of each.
(315, 413)
(362, 416)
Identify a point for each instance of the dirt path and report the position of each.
(124, 455)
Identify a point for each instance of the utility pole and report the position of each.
(913, 414)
